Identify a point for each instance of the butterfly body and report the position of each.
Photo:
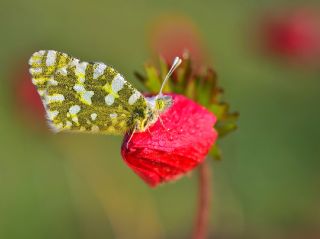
(83, 96)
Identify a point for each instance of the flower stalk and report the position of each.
(204, 200)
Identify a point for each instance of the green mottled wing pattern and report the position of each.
(84, 96)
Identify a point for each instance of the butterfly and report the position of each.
(93, 97)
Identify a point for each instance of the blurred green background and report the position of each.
(77, 186)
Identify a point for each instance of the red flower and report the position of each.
(295, 35)
(173, 36)
(165, 152)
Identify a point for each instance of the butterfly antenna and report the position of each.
(176, 62)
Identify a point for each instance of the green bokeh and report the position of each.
(77, 186)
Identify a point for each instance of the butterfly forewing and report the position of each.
(85, 96)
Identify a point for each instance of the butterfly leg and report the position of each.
(161, 121)
(132, 133)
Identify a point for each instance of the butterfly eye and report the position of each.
(159, 104)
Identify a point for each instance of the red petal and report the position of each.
(174, 148)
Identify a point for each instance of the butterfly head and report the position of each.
(162, 103)
(156, 106)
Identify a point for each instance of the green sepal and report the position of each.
(215, 152)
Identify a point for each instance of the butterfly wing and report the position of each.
(84, 96)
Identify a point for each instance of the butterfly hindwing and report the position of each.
(85, 96)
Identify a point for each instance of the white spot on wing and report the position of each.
(68, 124)
(54, 98)
(34, 81)
(113, 115)
(134, 97)
(79, 88)
(39, 53)
(51, 58)
(75, 119)
(117, 83)
(74, 109)
(93, 116)
(36, 57)
(98, 70)
(86, 96)
(34, 71)
(52, 81)
(109, 99)
(74, 62)
(81, 68)
(52, 114)
(63, 71)
(34, 60)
